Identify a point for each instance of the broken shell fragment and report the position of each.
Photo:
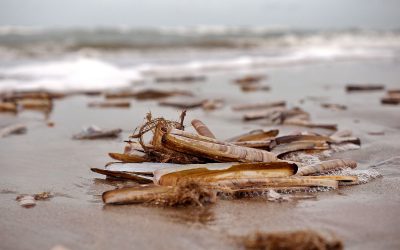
(26, 201)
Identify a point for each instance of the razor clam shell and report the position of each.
(299, 122)
(267, 144)
(141, 194)
(202, 129)
(293, 138)
(210, 166)
(271, 112)
(281, 182)
(326, 166)
(235, 171)
(260, 105)
(197, 137)
(296, 146)
(132, 158)
(339, 178)
(255, 135)
(124, 175)
(217, 152)
(349, 139)
(342, 133)
(183, 102)
(8, 107)
(145, 167)
(13, 129)
(109, 104)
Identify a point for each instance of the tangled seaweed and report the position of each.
(299, 240)
(189, 194)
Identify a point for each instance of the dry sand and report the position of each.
(46, 159)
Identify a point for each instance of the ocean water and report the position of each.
(105, 58)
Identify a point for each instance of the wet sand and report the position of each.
(47, 159)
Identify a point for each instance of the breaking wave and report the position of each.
(95, 59)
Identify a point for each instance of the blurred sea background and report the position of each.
(90, 45)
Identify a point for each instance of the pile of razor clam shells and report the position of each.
(175, 167)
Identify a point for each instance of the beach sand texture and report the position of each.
(47, 159)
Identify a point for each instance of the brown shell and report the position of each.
(215, 151)
(234, 172)
(127, 157)
(202, 129)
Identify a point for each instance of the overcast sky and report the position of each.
(378, 14)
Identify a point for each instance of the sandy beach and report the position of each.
(364, 216)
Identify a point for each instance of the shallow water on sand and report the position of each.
(46, 159)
